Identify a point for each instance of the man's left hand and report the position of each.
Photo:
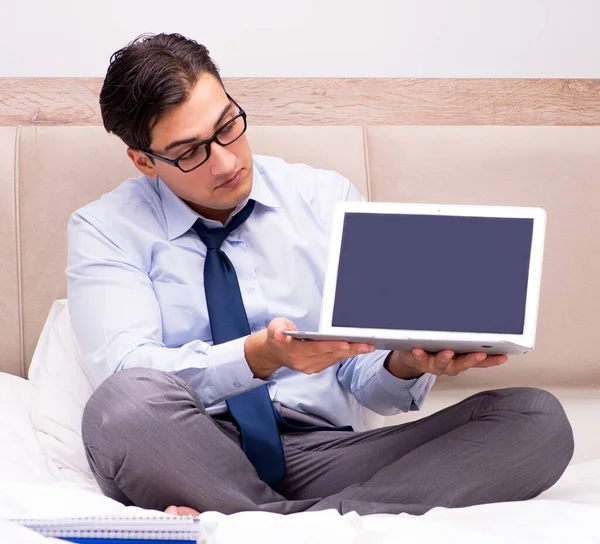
(412, 364)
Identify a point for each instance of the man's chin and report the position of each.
(237, 194)
(221, 206)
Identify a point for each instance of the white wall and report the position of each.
(313, 38)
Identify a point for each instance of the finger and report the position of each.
(464, 362)
(280, 337)
(444, 357)
(359, 348)
(422, 360)
(442, 361)
(173, 510)
(470, 360)
(325, 347)
(277, 326)
(492, 360)
(477, 360)
(320, 360)
(419, 359)
(312, 357)
(281, 323)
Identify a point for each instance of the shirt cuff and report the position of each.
(403, 392)
(230, 373)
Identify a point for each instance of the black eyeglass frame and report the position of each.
(207, 143)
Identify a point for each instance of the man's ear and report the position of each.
(142, 162)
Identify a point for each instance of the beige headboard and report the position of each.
(48, 171)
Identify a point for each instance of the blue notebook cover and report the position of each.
(123, 540)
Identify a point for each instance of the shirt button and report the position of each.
(237, 384)
(256, 328)
(250, 290)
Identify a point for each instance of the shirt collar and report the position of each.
(180, 217)
(260, 192)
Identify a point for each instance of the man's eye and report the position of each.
(191, 154)
(227, 128)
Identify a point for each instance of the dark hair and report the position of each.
(146, 79)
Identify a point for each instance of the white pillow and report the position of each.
(62, 389)
(21, 456)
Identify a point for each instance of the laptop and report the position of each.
(405, 276)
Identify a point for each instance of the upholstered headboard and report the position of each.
(46, 172)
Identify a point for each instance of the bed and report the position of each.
(45, 174)
(32, 485)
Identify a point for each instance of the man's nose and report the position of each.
(222, 161)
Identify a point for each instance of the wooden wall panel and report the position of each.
(328, 101)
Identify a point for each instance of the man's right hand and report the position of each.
(270, 349)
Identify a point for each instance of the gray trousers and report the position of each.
(150, 443)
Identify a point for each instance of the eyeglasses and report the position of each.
(199, 153)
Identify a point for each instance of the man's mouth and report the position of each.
(231, 181)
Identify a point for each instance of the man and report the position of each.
(181, 284)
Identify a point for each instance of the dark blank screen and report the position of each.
(433, 273)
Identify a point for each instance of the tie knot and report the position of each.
(212, 238)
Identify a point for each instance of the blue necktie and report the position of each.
(253, 411)
(258, 420)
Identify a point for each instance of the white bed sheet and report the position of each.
(542, 521)
(569, 512)
(31, 486)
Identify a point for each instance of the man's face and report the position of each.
(216, 187)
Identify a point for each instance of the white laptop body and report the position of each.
(404, 276)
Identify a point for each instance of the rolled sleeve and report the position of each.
(405, 395)
(366, 378)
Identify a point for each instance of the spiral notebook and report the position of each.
(111, 529)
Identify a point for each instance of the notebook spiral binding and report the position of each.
(182, 528)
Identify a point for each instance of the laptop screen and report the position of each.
(433, 273)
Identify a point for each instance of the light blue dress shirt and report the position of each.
(136, 295)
